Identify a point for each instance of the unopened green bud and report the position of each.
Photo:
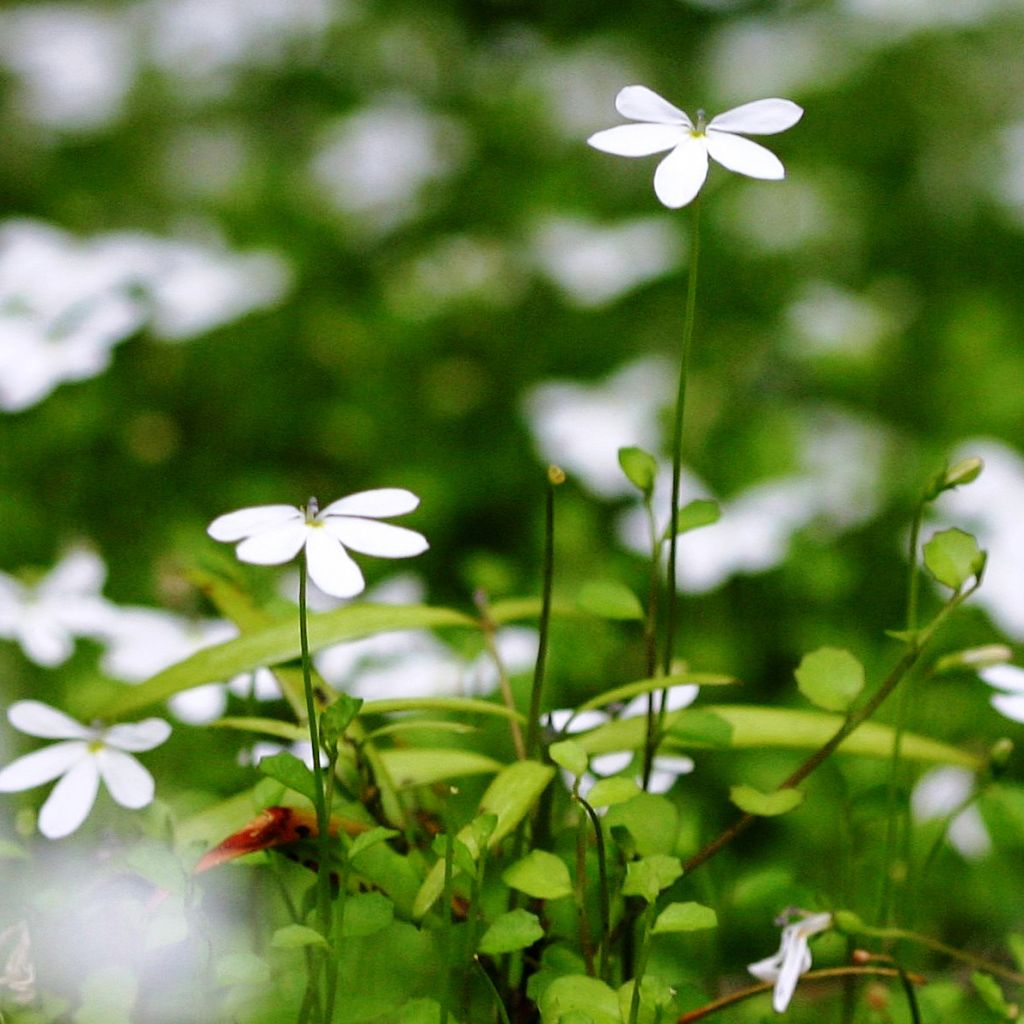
(974, 658)
(848, 922)
(964, 472)
(1000, 754)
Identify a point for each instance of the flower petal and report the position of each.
(744, 157)
(762, 117)
(1004, 677)
(247, 521)
(41, 766)
(78, 572)
(639, 103)
(680, 175)
(330, 566)
(795, 960)
(136, 736)
(34, 718)
(1010, 705)
(378, 504)
(71, 800)
(766, 969)
(638, 139)
(44, 640)
(369, 537)
(275, 545)
(129, 783)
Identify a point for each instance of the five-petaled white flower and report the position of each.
(792, 959)
(662, 127)
(86, 756)
(272, 534)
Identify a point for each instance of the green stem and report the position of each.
(603, 894)
(641, 965)
(555, 477)
(322, 813)
(677, 439)
(586, 943)
(449, 858)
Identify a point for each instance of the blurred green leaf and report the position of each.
(652, 820)
(514, 930)
(698, 513)
(539, 874)
(569, 755)
(572, 993)
(685, 917)
(295, 936)
(629, 690)
(366, 913)
(650, 875)
(606, 792)
(423, 766)
(766, 805)
(640, 468)
(609, 599)
(953, 557)
(831, 678)
(288, 769)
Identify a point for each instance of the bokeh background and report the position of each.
(256, 250)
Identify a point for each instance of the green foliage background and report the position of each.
(904, 187)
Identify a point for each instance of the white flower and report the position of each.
(86, 756)
(662, 126)
(272, 534)
(792, 959)
(1009, 679)
(66, 603)
(19, 973)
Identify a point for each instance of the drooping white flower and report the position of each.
(661, 126)
(1008, 680)
(85, 756)
(46, 618)
(793, 958)
(273, 534)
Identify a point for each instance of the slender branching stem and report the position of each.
(555, 477)
(603, 892)
(677, 440)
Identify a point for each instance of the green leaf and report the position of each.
(765, 805)
(700, 727)
(686, 917)
(515, 930)
(830, 677)
(650, 875)
(289, 770)
(462, 705)
(953, 557)
(698, 513)
(655, 995)
(609, 599)
(267, 726)
(336, 718)
(509, 798)
(629, 690)
(578, 993)
(276, 643)
(372, 837)
(108, 996)
(366, 913)
(640, 468)
(423, 766)
(1015, 942)
(569, 755)
(992, 995)
(422, 725)
(294, 936)
(539, 874)
(617, 790)
(755, 727)
(652, 821)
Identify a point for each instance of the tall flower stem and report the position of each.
(322, 813)
(677, 439)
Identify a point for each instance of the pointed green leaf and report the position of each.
(539, 874)
(640, 467)
(289, 731)
(277, 643)
(609, 599)
(953, 557)
(698, 513)
(462, 705)
(831, 678)
(992, 995)
(288, 769)
(686, 917)
(765, 805)
(293, 936)
(371, 837)
(606, 792)
(701, 727)
(629, 690)
(336, 718)
(515, 930)
(650, 875)
(423, 766)
(569, 755)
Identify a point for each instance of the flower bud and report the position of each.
(974, 658)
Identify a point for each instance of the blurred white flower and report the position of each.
(85, 756)
(792, 959)
(940, 792)
(1009, 681)
(45, 619)
(273, 534)
(662, 127)
(19, 973)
